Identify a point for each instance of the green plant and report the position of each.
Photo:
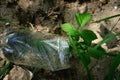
(81, 40)
(5, 69)
(116, 59)
(114, 65)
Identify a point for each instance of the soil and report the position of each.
(46, 16)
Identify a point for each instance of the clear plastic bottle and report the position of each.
(37, 50)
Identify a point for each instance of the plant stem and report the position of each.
(84, 61)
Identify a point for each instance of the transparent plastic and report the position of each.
(35, 51)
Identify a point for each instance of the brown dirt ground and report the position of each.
(47, 17)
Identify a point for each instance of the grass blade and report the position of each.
(114, 65)
(5, 68)
(114, 25)
(107, 18)
(107, 38)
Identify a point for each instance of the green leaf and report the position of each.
(88, 36)
(69, 29)
(114, 65)
(82, 19)
(96, 53)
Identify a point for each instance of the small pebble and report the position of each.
(115, 7)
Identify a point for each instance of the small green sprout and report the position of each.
(84, 47)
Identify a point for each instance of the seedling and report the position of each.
(81, 40)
